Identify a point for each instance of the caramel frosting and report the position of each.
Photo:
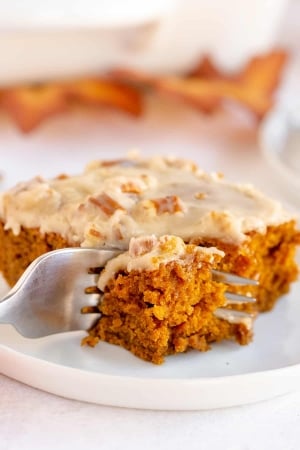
(113, 201)
(148, 252)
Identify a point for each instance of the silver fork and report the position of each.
(49, 297)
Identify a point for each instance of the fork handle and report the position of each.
(11, 310)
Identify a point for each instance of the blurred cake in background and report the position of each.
(62, 53)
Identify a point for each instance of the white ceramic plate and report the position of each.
(226, 376)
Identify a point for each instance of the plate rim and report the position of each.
(160, 390)
(266, 136)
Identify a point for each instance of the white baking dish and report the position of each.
(62, 38)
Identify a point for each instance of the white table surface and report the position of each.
(30, 419)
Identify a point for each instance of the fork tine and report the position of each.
(90, 310)
(92, 290)
(233, 316)
(236, 299)
(95, 270)
(230, 278)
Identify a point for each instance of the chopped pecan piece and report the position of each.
(95, 233)
(139, 247)
(169, 204)
(200, 195)
(118, 234)
(111, 162)
(130, 188)
(62, 176)
(107, 204)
